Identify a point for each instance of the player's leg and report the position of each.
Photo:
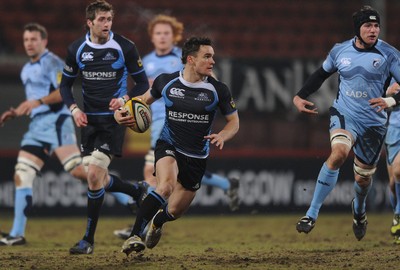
(96, 177)
(29, 163)
(178, 204)
(191, 172)
(367, 152)
(395, 186)
(229, 185)
(148, 172)
(362, 184)
(167, 173)
(341, 143)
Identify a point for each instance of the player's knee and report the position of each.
(100, 159)
(363, 175)
(396, 174)
(71, 162)
(79, 172)
(165, 189)
(342, 139)
(25, 173)
(85, 162)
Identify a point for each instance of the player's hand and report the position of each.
(116, 103)
(80, 118)
(26, 107)
(216, 139)
(304, 106)
(122, 117)
(7, 115)
(381, 103)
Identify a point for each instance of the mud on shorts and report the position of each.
(191, 170)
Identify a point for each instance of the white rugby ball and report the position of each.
(141, 113)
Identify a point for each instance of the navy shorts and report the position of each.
(191, 170)
(104, 134)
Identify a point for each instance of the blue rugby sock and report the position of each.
(23, 202)
(361, 197)
(325, 184)
(212, 179)
(393, 201)
(397, 208)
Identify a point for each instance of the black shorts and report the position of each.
(104, 134)
(191, 170)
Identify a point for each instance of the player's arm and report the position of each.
(230, 129)
(392, 99)
(7, 115)
(26, 107)
(312, 84)
(124, 118)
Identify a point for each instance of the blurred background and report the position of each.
(264, 51)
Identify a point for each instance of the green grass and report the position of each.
(211, 242)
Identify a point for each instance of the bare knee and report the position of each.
(396, 174)
(79, 173)
(165, 188)
(337, 158)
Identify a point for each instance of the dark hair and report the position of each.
(98, 5)
(35, 27)
(192, 46)
(365, 14)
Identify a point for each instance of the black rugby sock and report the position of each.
(95, 201)
(117, 185)
(163, 217)
(151, 204)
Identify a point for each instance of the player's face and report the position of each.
(100, 27)
(369, 32)
(163, 38)
(204, 60)
(34, 44)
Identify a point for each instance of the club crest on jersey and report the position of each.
(87, 56)
(345, 61)
(109, 56)
(139, 62)
(202, 97)
(376, 62)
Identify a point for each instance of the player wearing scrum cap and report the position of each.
(365, 65)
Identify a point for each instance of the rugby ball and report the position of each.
(141, 113)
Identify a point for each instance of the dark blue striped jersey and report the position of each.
(103, 68)
(190, 111)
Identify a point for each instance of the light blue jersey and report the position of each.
(155, 65)
(51, 125)
(42, 77)
(363, 74)
(392, 139)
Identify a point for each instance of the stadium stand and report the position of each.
(286, 28)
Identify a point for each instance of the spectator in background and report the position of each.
(358, 120)
(104, 59)
(183, 147)
(392, 144)
(165, 33)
